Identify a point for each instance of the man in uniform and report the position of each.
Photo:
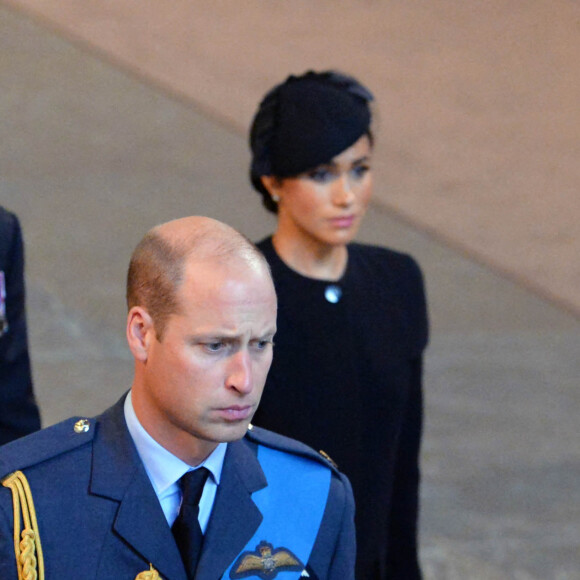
(173, 482)
(18, 411)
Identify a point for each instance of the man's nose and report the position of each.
(240, 372)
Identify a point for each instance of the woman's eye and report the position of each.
(360, 171)
(320, 175)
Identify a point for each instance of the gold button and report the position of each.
(250, 426)
(82, 426)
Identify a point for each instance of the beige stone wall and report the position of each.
(477, 102)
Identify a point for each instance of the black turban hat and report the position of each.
(306, 121)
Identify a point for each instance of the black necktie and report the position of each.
(186, 529)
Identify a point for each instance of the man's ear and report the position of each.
(140, 332)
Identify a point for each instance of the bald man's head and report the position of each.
(157, 265)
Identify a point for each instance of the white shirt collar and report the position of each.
(163, 468)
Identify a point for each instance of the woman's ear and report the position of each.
(140, 332)
(272, 184)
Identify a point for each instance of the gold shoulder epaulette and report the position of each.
(328, 458)
(27, 548)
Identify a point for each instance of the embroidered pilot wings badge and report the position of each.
(265, 562)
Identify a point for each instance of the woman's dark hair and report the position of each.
(305, 122)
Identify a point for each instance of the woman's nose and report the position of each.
(343, 194)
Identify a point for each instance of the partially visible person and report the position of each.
(18, 411)
(352, 323)
(173, 482)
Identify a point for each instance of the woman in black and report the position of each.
(352, 323)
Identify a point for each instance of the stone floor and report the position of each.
(91, 157)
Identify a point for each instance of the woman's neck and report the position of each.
(311, 259)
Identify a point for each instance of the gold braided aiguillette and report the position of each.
(27, 548)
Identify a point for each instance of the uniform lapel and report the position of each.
(235, 517)
(145, 529)
(118, 474)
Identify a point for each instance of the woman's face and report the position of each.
(325, 205)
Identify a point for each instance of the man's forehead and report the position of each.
(249, 267)
(226, 304)
(230, 279)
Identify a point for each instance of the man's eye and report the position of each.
(214, 346)
(262, 344)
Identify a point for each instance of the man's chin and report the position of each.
(233, 431)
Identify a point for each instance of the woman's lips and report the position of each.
(343, 222)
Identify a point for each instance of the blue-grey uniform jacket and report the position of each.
(98, 515)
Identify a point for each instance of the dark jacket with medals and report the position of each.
(18, 411)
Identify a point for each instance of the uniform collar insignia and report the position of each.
(265, 562)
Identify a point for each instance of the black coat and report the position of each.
(18, 411)
(347, 379)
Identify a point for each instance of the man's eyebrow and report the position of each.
(213, 336)
(228, 336)
(267, 335)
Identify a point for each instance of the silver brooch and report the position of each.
(332, 293)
